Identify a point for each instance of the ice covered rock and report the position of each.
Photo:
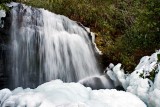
(154, 98)
(59, 94)
(140, 81)
(144, 81)
(117, 75)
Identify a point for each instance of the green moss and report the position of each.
(153, 73)
(4, 7)
(158, 56)
(141, 75)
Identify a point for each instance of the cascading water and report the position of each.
(46, 46)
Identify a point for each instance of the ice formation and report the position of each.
(141, 82)
(59, 94)
(95, 45)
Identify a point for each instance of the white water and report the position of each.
(46, 46)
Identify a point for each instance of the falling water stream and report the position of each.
(46, 46)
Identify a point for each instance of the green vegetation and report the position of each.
(152, 74)
(5, 1)
(126, 29)
(3, 6)
(158, 57)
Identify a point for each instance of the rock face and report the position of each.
(2, 14)
(4, 39)
(3, 75)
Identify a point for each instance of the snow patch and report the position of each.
(95, 45)
(59, 94)
(144, 81)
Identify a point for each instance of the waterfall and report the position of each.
(46, 46)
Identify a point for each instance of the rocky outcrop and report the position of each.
(3, 73)
(4, 40)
